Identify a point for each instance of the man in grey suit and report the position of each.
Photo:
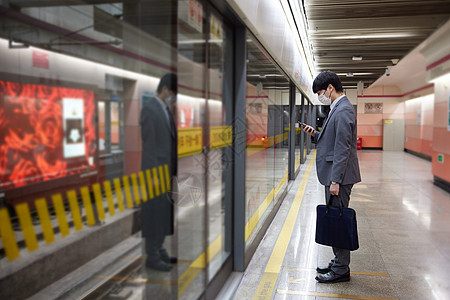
(336, 161)
(159, 147)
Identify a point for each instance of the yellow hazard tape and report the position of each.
(166, 169)
(142, 184)
(44, 217)
(60, 215)
(137, 197)
(109, 198)
(87, 206)
(7, 234)
(156, 182)
(119, 196)
(126, 187)
(75, 210)
(23, 213)
(99, 201)
(161, 177)
(149, 184)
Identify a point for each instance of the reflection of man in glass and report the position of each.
(159, 147)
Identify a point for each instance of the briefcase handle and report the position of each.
(330, 201)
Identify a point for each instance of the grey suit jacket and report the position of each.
(336, 158)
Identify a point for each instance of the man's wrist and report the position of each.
(334, 182)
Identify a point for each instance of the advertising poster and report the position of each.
(46, 132)
(373, 108)
(73, 112)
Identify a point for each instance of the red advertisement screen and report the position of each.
(46, 132)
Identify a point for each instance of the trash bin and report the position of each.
(358, 143)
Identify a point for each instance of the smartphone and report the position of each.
(302, 124)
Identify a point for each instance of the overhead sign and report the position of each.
(195, 17)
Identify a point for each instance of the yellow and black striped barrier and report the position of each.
(157, 180)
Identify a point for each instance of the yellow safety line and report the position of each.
(134, 183)
(137, 280)
(60, 214)
(99, 201)
(126, 187)
(87, 205)
(7, 235)
(23, 212)
(196, 267)
(119, 196)
(297, 161)
(269, 278)
(75, 210)
(370, 274)
(44, 217)
(156, 182)
(281, 183)
(254, 219)
(109, 197)
(330, 295)
(191, 273)
(149, 184)
(143, 188)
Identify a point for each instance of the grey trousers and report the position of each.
(341, 261)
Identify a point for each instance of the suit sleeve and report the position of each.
(148, 134)
(344, 125)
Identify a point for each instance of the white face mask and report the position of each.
(171, 99)
(324, 100)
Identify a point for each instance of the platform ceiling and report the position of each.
(378, 31)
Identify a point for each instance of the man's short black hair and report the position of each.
(170, 81)
(325, 78)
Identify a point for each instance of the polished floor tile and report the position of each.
(404, 233)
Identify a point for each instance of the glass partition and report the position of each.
(298, 130)
(267, 117)
(115, 137)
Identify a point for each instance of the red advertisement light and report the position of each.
(33, 144)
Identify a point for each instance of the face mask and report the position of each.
(171, 99)
(324, 100)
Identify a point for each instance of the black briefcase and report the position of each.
(336, 227)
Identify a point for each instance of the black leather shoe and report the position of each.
(158, 265)
(166, 258)
(332, 277)
(169, 259)
(323, 270)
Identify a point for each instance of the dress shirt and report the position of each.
(335, 102)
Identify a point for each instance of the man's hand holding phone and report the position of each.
(307, 128)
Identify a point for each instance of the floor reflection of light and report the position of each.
(424, 218)
(430, 284)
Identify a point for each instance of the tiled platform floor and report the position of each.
(404, 231)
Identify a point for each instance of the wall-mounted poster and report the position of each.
(373, 108)
(46, 132)
(73, 117)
